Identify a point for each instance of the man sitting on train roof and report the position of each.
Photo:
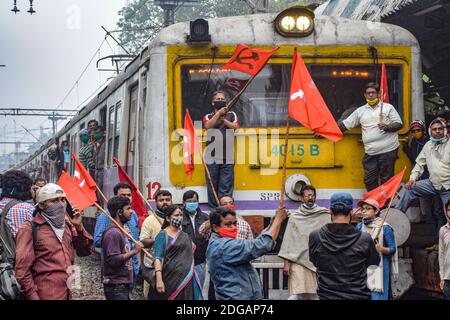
(435, 156)
(379, 135)
(219, 153)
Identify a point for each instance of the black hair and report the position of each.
(117, 203)
(39, 179)
(340, 210)
(121, 185)
(164, 193)
(16, 184)
(168, 212)
(308, 187)
(189, 195)
(372, 85)
(93, 120)
(216, 215)
(226, 195)
(215, 93)
(100, 128)
(446, 205)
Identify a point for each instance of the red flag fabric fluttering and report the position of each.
(137, 203)
(75, 195)
(384, 89)
(82, 177)
(306, 104)
(191, 144)
(248, 60)
(387, 190)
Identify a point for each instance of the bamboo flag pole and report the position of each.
(384, 219)
(283, 177)
(210, 180)
(236, 97)
(122, 229)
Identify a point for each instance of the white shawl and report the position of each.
(375, 273)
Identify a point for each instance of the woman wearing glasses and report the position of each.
(379, 278)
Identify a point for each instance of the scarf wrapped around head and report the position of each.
(444, 139)
(55, 217)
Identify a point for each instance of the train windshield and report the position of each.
(264, 102)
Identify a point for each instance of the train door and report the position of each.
(132, 130)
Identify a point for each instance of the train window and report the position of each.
(265, 101)
(82, 126)
(103, 117)
(117, 128)
(110, 133)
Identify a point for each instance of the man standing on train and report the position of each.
(379, 135)
(219, 153)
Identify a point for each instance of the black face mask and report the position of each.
(219, 104)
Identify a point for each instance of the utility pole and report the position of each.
(169, 7)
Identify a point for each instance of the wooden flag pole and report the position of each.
(283, 178)
(384, 219)
(236, 97)
(122, 229)
(210, 180)
(101, 193)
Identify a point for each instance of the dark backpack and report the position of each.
(9, 287)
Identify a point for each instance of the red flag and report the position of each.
(384, 89)
(191, 144)
(137, 204)
(387, 190)
(248, 60)
(82, 177)
(306, 104)
(75, 195)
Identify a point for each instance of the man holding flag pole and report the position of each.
(379, 123)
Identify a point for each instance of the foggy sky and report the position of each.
(45, 53)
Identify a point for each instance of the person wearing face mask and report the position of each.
(379, 135)
(176, 278)
(45, 248)
(87, 149)
(229, 259)
(117, 264)
(152, 226)
(435, 155)
(193, 218)
(379, 279)
(219, 152)
(431, 207)
(294, 249)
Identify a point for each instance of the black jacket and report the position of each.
(200, 242)
(412, 148)
(341, 255)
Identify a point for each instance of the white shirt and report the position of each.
(437, 159)
(376, 141)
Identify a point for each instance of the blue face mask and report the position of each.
(191, 206)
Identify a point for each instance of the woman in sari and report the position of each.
(174, 260)
(379, 279)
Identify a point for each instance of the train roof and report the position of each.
(258, 29)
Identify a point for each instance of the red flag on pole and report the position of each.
(384, 89)
(137, 204)
(248, 60)
(75, 195)
(191, 144)
(387, 190)
(82, 177)
(306, 104)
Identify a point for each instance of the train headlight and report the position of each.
(296, 21)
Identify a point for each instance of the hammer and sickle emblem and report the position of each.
(242, 59)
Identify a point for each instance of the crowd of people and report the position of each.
(183, 253)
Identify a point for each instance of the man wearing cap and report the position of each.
(45, 248)
(431, 207)
(342, 254)
(435, 155)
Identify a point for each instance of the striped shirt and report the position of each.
(17, 215)
(86, 155)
